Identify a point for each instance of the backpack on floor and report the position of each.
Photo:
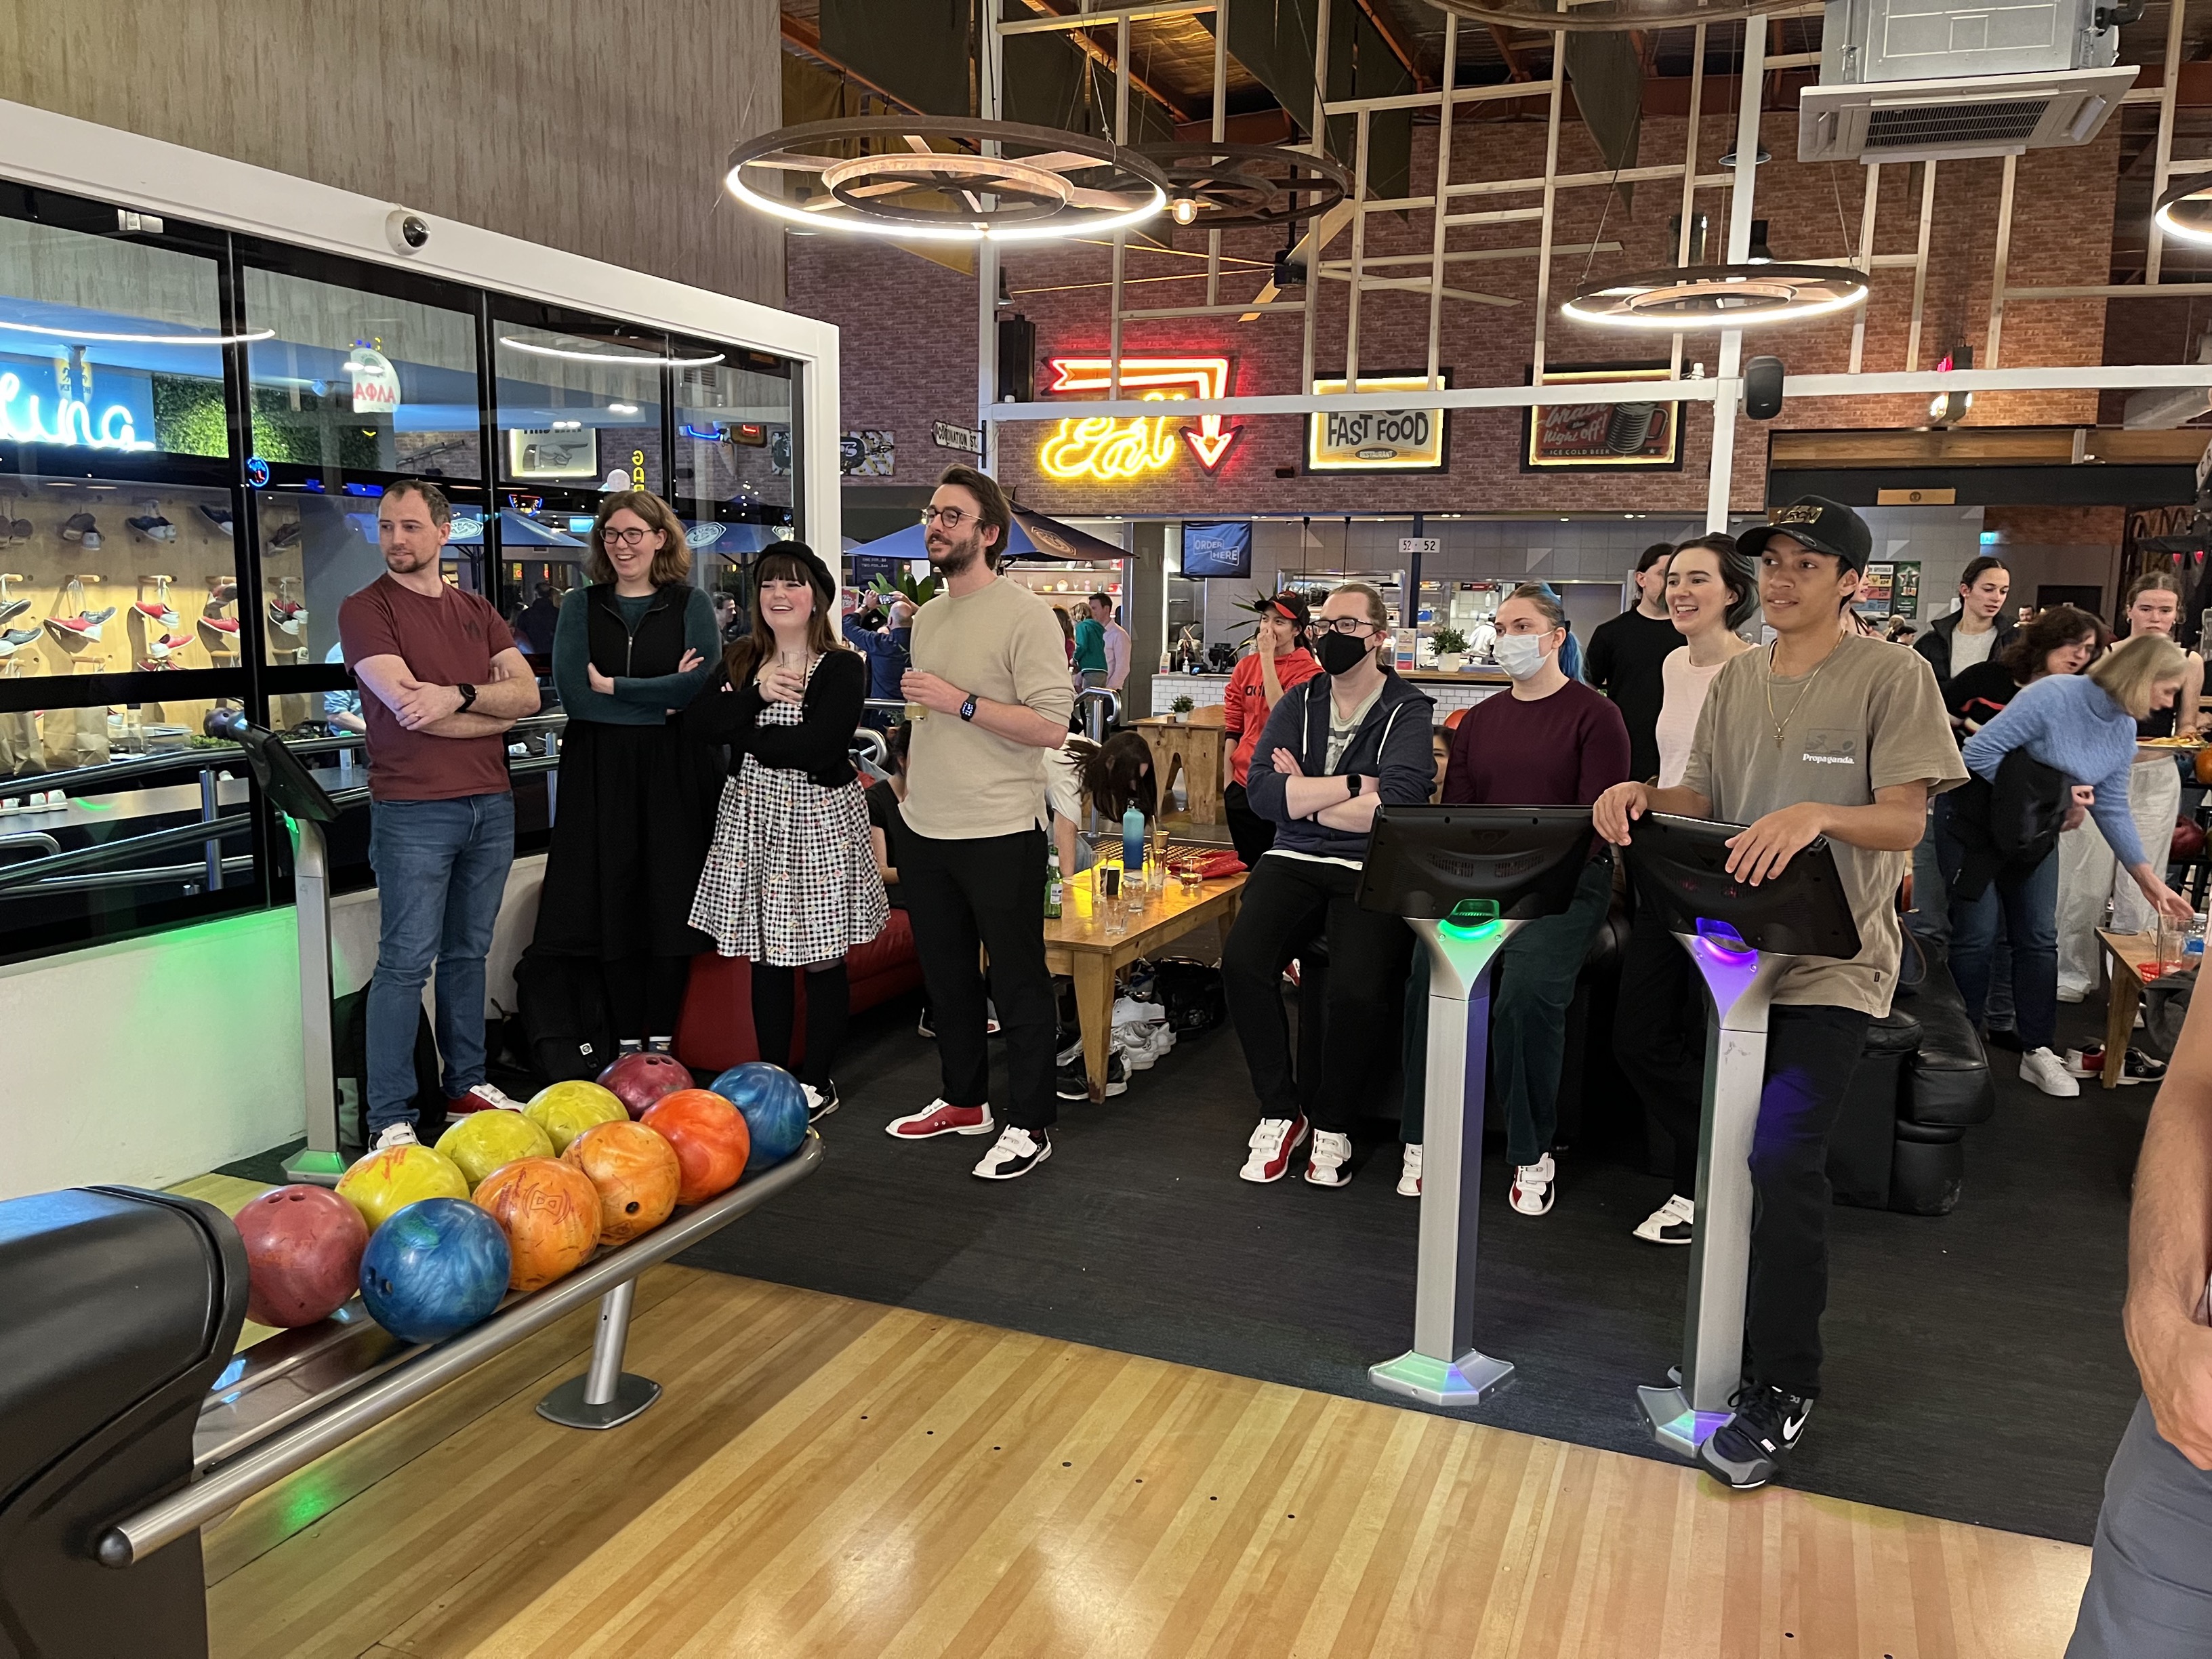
(350, 1060)
(562, 1006)
(1191, 992)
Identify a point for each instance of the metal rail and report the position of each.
(349, 1413)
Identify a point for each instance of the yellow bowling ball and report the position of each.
(565, 1110)
(385, 1182)
(482, 1141)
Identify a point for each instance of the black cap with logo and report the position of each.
(1824, 525)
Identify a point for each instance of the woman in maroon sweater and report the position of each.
(1550, 741)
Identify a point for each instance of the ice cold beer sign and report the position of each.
(1375, 439)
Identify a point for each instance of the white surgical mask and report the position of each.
(1521, 655)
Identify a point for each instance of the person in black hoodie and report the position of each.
(1976, 631)
(1335, 748)
(637, 792)
(790, 882)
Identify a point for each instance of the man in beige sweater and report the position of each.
(990, 673)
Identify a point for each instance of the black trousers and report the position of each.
(1659, 1036)
(1811, 1053)
(1251, 834)
(645, 994)
(1287, 903)
(968, 897)
(775, 1014)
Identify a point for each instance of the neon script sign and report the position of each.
(73, 424)
(1112, 451)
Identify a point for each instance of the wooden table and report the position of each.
(1196, 748)
(2125, 954)
(1076, 943)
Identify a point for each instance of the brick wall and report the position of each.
(909, 329)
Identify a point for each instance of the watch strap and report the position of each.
(968, 707)
(468, 698)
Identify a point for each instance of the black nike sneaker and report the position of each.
(1745, 1452)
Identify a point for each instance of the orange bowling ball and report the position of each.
(710, 1138)
(636, 1173)
(549, 1212)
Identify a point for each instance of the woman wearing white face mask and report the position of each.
(1551, 741)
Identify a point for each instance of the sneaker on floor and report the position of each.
(922, 1028)
(2072, 994)
(394, 1134)
(1070, 1049)
(1745, 1452)
(1674, 1222)
(2085, 1062)
(2140, 1068)
(1134, 1044)
(660, 1045)
(2048, 1073)
(820, 1102)
(1325, 1163)
(938, 1118)
(1409, 1174)
(1015, 1153)
(1073, 1082)
(1531, 1191)
(1271, 1145)
(484, 1097)
(627, 1046)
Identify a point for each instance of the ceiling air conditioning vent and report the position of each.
(1957, 118)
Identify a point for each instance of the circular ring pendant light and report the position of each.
(2184, 212)
(1548, 15)
(929, 178)
(1695, 297)
(1215, 187)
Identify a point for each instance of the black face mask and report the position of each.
(1342, 652)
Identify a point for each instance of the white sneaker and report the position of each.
(2048, 1073)
(1409, 1176)
(395, 1134)
(1674, 1222)
(1015, 1153)
(1271, 1145)
(1136, 1047)
(1531, 1191)
(1325, 1164)
(2072, 993)
(1127, 1011)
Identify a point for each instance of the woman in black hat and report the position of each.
(637, 792)
(790, 880)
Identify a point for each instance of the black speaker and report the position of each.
(1762, 388)
(1017, 359)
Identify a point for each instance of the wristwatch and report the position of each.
(968, 707)
(1351, 786)
(468, 698)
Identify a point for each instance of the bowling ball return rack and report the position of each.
(287, 1401)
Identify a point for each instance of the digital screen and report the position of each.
(1217, 549)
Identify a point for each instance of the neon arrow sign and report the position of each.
(1100, 447)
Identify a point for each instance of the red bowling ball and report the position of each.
(303, 1248)
(639, 1081)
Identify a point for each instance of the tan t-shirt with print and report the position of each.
(1868, 718)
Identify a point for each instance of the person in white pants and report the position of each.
(2089, 877)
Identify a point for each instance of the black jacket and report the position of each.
(820, 745)
(2010, 824)
(1935, 644)
(1392, 745)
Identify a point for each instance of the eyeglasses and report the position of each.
(950, 517)
(614, 537)
(1342, 625)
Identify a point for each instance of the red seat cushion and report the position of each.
(716, 1029)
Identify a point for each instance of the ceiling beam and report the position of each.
(1387, 27)
(1514, 69)
(1099, 55)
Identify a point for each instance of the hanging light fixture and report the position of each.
(1218, 186)
(1718, 296)
(2184, 212)
(1949, 408)
(1760, 157)
(927, 178)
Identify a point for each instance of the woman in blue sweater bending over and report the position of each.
(637, 792)
(2084, 727)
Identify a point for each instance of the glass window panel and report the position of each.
(580, 411)
(362, 381)
(319, 546)
(734, 424)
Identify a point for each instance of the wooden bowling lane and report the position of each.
(834, 1478)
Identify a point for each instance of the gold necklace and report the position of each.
(1802, 691)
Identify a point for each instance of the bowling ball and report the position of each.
(384, 1181)
(638, 1081)
(2188, 839)
(774, 1108)
(482, 1141)
(303, 1248)
(436, 1267)
(549, 1212)
(710, 1138)
(635, 1172)
(565, 1110)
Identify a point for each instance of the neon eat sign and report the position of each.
(1101, 448)
(73, 423)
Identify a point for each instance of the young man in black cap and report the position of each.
(1825, 732)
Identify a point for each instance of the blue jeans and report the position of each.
(441, 872)
(2028, 904)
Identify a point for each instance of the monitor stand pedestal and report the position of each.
(1444, 1367)
(1743, 984)
(320, 1161)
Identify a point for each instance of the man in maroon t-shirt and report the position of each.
(442, 681)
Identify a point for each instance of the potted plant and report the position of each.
(1180, 709)
(1452, 650)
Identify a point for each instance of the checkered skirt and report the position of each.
(791, 878)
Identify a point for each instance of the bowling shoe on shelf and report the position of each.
(287, 615)
(219, 517)
(81, 527)
(13, 640)
(820, 1102)
(164, 646)
(1016, 1153)
(484, 1097)
(395, 1134)
(288, 535)
(81, 629)
(154, 527)
(11, 609)
(225, 630)
(941, 1118)
(158, 610)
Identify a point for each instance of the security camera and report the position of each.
(408, 233)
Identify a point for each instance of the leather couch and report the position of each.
(716, 1029)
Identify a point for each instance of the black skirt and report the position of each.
(632, 815)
